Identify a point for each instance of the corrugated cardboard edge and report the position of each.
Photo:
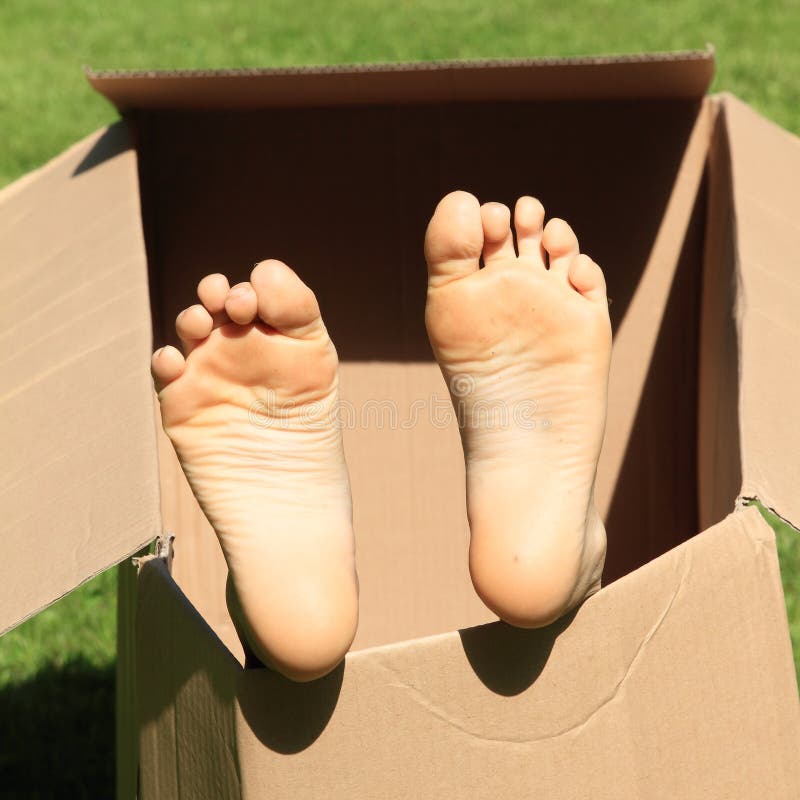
(408, 66)
(684, 74)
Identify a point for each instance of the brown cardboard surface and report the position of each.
(126, 713)
(496, 712)
(765, 183)
(637, 694)
(653, 379)
(185, 677)
(410, 517)
(719, 469)
(78, 490)
(684, 75)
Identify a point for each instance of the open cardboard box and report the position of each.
(676, 680)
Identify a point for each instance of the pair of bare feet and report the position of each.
(250, 407)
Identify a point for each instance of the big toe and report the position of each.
(284, 301)
(454, 238)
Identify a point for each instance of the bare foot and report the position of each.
(525, 351)
(251, 413)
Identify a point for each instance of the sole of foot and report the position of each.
(250, 407)
(523, 340)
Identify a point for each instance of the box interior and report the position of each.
(343, 194)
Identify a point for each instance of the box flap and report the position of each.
(685, 75)
(765, 191)
(692, 694)
(675, 681)
(78, 480)
(185, 680)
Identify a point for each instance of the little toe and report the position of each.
(498, 241)
(284, 302)
(454, 238)
(212, 292)
(192, 326)
(241, 304)
(166, 365)
(528, 223)
(561, 244)
(587, 277)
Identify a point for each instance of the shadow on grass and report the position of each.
(57, 733)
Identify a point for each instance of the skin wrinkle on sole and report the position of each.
(532, 329)
(273, 484)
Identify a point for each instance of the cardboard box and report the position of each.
(676, 680)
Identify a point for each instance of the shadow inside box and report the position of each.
(57, 733)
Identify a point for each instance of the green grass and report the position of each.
(45, 105)
(57, 697)
(788, 541)
(81, 626)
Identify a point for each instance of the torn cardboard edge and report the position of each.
(163, 550)
(744, 501)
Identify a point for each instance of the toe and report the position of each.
(284, 302)
(454, 238)
(587, 277)
(561, 244)
(528, 223)
(498, 241)
(167, 364)
(212, 291)
(193, 325)
(241, 304)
